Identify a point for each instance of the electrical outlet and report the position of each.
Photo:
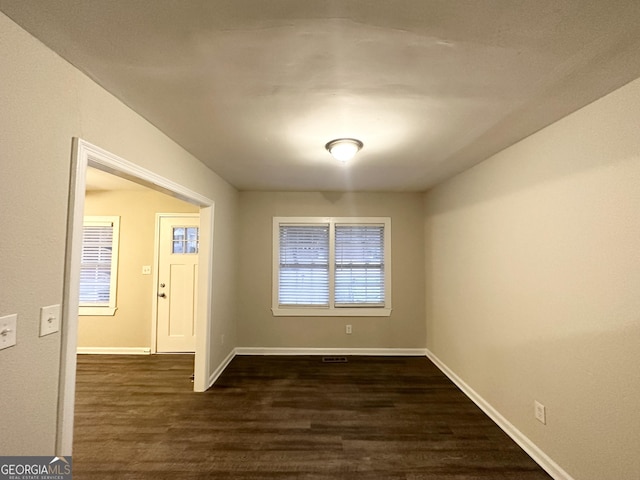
(348, 330)
(540, 412)
(49, 320)
(8, 331)
(146, 269)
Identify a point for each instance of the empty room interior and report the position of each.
(373, 183)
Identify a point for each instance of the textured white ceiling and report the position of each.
(256, 88)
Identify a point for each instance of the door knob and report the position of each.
(162, 295)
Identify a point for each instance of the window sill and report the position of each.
(97, 311)
(330, 312)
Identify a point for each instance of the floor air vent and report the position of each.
(334, 359)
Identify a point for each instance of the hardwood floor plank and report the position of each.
(293, 418)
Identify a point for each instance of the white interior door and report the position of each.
(178, 246)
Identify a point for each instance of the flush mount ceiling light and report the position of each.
(343, 149)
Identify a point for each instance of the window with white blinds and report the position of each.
(359, 273)
(331, 266)
(98, 265)
(304, 265)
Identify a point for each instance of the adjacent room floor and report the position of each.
(386, 418)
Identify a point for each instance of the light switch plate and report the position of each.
(49, 320)
(540, 412)
(8, 326)
(146, 269)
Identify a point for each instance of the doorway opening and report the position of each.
(87, 155)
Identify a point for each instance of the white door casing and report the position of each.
(85, 154)
(176, 282)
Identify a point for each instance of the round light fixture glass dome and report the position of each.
(343, 149)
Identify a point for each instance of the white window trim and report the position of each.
(110, 309)
(331, 311)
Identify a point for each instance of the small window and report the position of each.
(99, 265)
(185, 240)
(332, 266)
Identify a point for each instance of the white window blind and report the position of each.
(359, 270)
(304, 265)
(98, 265)
(331, 266)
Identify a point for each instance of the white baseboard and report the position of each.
(415, 352)
(114, 350)
(218, 371)
(541, 458)
(399, 352)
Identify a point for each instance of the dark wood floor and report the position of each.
(387, 418)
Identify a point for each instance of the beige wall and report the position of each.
(257, 327)
(131, 324)
(533, 285)
(45, 102)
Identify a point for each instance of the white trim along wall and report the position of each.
(541, 458)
